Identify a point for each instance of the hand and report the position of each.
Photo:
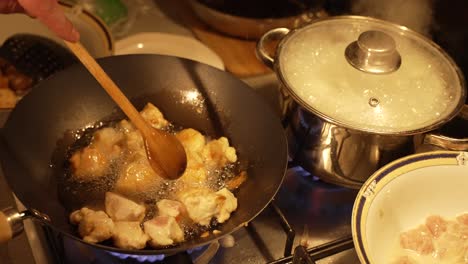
(46, 11)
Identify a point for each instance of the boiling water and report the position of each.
(75, 194)
(415, 96)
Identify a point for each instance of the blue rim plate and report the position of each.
(380, 181)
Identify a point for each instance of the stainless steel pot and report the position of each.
(337, 154)
(356, 90)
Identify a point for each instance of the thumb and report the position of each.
(50, 14)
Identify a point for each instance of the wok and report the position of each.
(38, 130)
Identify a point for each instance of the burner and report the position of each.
(70, 251)
(151, 258)
(139, 258)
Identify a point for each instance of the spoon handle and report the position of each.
(111, 88)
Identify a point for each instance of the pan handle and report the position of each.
(11, 222)
(270, 36)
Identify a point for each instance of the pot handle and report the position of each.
(271, 35)
(448, 143)
(11, 222)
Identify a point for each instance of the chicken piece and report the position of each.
(436, 225)
(137, 178)
(125, 126)
(453, 245)
(218, 153)
(458, 230)
(463, 219)
(89, 164)
(94, 161)
(93, 226)
(133, 140)
(195, 174)
(120, 208)
(170, 208)
(418, 240)
(153, 116)
(4, 82)
(129, 235)
(227, 204)
(203, 204)
(404, 260)
(163, 231)
(108, 140)
(20, 83)
(7, 98)
(192, 140)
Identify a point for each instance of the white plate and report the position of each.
(95, 35)
(168, 44)
(401, 195)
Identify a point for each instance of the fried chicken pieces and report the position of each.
(13, 84)
(122, 221)
(94, 226)
(202, 205)
(93, 161)
(120, 208)
(120, 150)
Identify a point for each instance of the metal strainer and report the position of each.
(36, 56)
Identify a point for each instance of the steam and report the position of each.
(414, 14)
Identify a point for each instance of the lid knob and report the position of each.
(374, 52)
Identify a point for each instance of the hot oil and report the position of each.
(76, 193)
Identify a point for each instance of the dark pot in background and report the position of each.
(251, 19)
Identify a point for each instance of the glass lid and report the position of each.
(370, 75)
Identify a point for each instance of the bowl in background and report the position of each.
(401, 195)
(168, 44)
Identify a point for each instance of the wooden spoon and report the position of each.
(165, 152)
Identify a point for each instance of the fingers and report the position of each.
(50, 13)
(10, 6)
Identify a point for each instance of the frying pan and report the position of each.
(190, 94)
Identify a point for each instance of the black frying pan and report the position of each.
(36, 130)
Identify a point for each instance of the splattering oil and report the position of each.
(76, 193)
